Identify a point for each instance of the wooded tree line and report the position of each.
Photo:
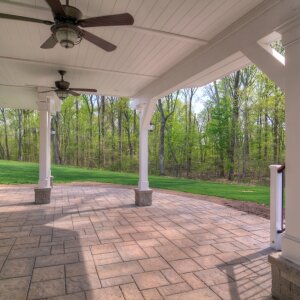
(233, 128)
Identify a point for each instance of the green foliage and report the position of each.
(218, 127)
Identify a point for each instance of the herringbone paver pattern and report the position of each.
(92, 242)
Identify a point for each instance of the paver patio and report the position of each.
(92, 242)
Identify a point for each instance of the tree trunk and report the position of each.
(56, 139)
(189, 142)
(234, 123)
(246, 141)
(189, 95)
(266, 131)
(275, 132)
(162, 138)
(134, 131)
(127, 117)
(259, 135)
(90, 106)
(99, 130)
(112, 120)
(77, 131)
(2, 151)
(5, 134)
(120, 136)
(172, 152)
(19, 113)
(102, 130)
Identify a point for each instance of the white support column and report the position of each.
(43, 191)
(291, 238)
(286, 265)
(44, 161)
(145, 108)
(143, 158)
(275, 207)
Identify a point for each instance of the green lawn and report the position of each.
(19, 173)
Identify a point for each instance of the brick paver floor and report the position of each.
(92, 242)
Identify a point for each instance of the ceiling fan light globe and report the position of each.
(66, 36)
(62, 95)
(67, 44)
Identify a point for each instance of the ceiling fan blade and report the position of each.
(73, 93)
(46, 91)
(112, 20)
(83, 90)
(107, 46)
(50, 43)
(21, 18)
(56, 7)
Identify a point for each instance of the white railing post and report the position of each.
(276, 190)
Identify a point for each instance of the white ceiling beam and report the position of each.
(260, 22)
(18, 97)
(58, 66)
(26, 98)
(14, 4)
(268, 63)
(225, 67)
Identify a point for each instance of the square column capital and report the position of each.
(43, 105)
(145, 109)
(48, 101)
(139, 104)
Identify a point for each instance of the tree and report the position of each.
(235, 131)
(189, 94)
(233, 85)
(5, 133)
(165, 114)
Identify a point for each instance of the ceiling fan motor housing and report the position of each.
(62, 85)
(73, 14)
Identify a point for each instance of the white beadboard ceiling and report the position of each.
(142, 56)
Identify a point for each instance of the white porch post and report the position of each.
(145, 109)
(275, 207)
(291, 238)
(286, 266)
(143, 158)
(42, 193)
(44, 165)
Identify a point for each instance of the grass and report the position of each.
(12, 172)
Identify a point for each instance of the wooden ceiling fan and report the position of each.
(67, 20)
(62, 88)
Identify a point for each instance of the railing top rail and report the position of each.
(281, 169)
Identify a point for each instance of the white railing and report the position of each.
(276, 205)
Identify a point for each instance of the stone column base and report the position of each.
(285, 278)
(42, 195)
(143, 198)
